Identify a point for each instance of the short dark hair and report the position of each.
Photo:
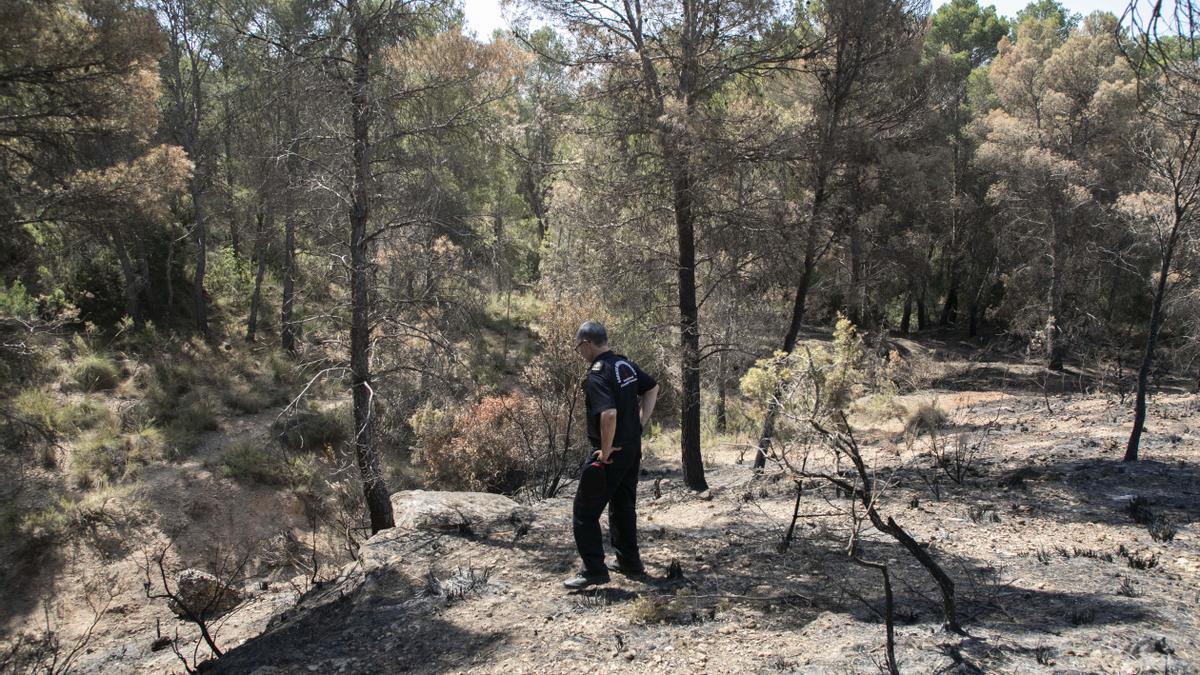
(593, 332)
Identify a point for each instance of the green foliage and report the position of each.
(1050, 12)
(249, 461)
(195, 414)
(963, 27)
(836, 373)
(313, 429)
(64, 518)
(95, 372)
(228, 278)
(40, 406)
(16, 301)
(105, 456)
(244, 399)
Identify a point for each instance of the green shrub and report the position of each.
(245, 400)
(98, 459)
(927, 417)
(88, 413)
(194, 416)
(42, 408)
(65, 517)
(38, 406)
(16, 301)
(249, 461)
(94, 372)
(309, 429)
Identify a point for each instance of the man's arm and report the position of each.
(608, 429)
(649, 398)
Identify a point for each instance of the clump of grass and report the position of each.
(648, 610)
(87, 414)
(245, 400)
(1138, 560)
(248, 461)
(1161, 527)
(39, 406)
(105, 456)
(95, 372)
(311, 429)
(98, 459)
(66, 517)
(195, 415)
(927, 417)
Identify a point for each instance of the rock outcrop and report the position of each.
(202, 593)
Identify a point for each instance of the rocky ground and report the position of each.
(1053, 571)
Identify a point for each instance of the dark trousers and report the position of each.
(620, 493)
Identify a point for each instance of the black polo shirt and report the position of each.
(614, 381)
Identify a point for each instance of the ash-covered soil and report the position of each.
(1053, 571)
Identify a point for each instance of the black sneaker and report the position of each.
(584, 579)
(628, 570)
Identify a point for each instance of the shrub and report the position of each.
(98, 459)
(39, 407)
(312, 429)
(42, 408)
(245, 400)
(105, 457)
(64, 517)
(927, 417)
(16, 301)
(487, 446)
(251, 462)
(193, 417)
(94, 372)
(88, 413)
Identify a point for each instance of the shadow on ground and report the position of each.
(389, 628)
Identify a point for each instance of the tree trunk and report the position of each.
(1143, 382)
(722, 397)
(1053, 334)
(950, 306)
(133, 285)
(922, 312)
(374, 489)
(824, 167)
(906, 318)
(200, 232)
(793, 332)
(855, 302)
(260, 258)
(287, 328)
(689, 326)
(234, 236)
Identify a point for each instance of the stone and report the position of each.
(203, 594)
(458, 512)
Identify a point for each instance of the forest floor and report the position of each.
(1053, 572)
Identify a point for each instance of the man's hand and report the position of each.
(605, 456)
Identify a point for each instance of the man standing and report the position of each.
(615, 419)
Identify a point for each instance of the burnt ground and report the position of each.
(1053, 572)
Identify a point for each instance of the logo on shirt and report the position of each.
(626, 375)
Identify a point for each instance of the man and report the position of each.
(615, 419)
